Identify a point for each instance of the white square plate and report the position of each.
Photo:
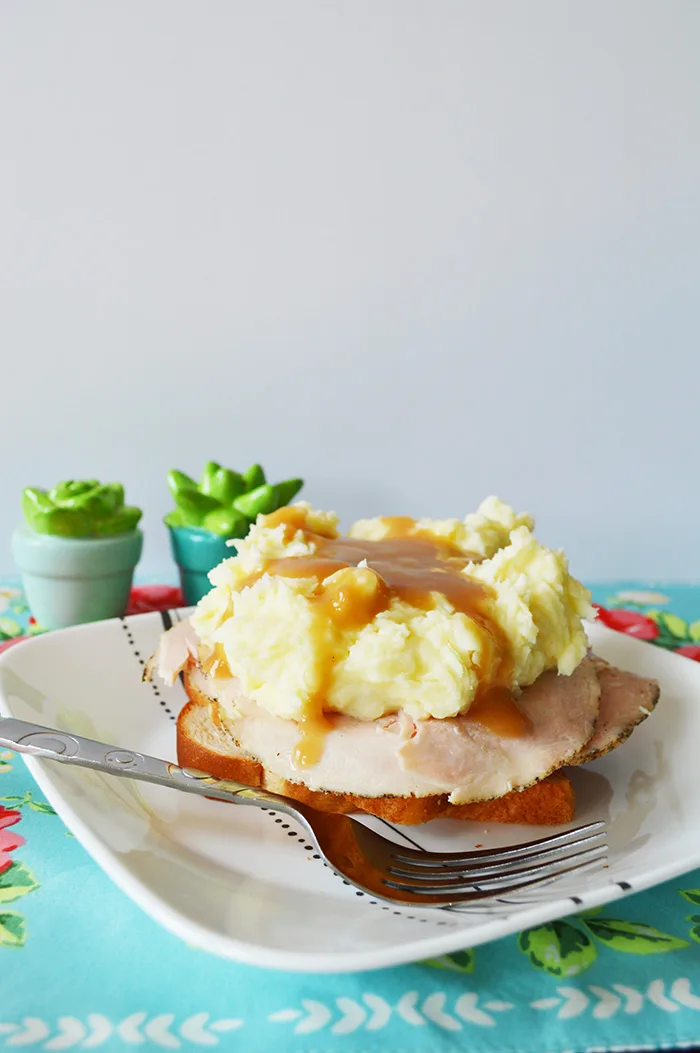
(243, 883)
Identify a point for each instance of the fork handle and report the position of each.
(64, 746)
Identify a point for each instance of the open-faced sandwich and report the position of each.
(413, 669)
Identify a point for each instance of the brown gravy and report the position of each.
(496, 709)
(412, 567)
(215, 662)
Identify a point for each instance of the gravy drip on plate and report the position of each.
(412, 567)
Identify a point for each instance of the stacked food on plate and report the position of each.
(412, 669)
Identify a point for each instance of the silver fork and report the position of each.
(374, 864)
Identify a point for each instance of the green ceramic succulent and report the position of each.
(79, 508)
(224, 502)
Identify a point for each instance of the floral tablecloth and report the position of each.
(82, 967)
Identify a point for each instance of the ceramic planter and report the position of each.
(71, 580)
(197, 551)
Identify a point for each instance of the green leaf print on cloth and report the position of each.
(564, 948)
(458, 961)
(16, 881)
(695, 931)
(41, 806)
(9, 628)
(558, 947)
(13, 932)
(28, 798)
(674, 625)
(632, 937)
(692, 895)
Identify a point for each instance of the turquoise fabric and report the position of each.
(82, 967)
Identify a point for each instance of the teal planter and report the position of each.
(197, 551)
(71, 580)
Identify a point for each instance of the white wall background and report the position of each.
(415, 250)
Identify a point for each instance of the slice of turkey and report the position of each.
(176, 647)
(625, 701)
(396, 757)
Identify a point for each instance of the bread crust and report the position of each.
(546, 803)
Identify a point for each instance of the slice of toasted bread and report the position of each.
(545, 803)
(203, 744)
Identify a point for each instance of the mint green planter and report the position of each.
(69, 580)
(197, 551)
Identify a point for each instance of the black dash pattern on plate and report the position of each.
(137, 655)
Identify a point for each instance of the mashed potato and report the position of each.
(428, 662)
(481, 534)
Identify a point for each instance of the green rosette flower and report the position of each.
(79, 508)
(226, 502)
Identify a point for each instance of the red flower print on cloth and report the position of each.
(146, 598)
(8, 840)
(690, 651)
(4, 644)
(631, 622)
(662, 628)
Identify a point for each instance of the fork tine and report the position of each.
(478, 869)
(495, 880)
(420, 858)
(472, 894)
(505, 902)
